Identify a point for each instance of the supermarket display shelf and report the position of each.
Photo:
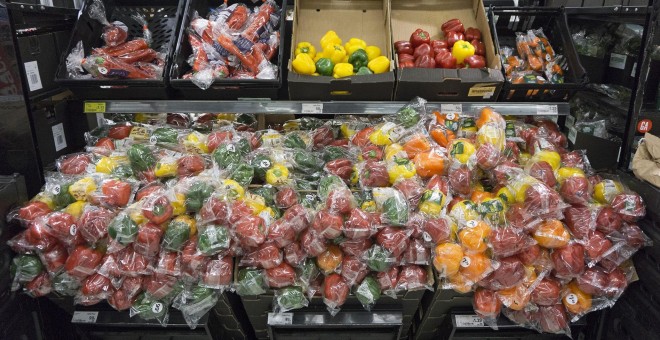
(113, 318)
(373, 319)
(310, 107)
(620, 14)
(42, 9)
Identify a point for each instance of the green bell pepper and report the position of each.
(307, 271)
(261, 164)
(327, 183)
(407, 117)
(358, 59)
(141, 157)
(395, 210)
(268, 192)
(379, 259)
(330, 153)
(368, 292)
(324, 66)
(177, 233)
(197, 194)
(122, 171)
(24, 268)
(363, 71)
(306, 162)
(290, 298)
(294, 141)
(164, 135)
(149, 309)
(122, 229)
(251, 282)
(213, 239)
(63, 197)
(243, 174)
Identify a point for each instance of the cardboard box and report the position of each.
(445, 84)
(364, 19)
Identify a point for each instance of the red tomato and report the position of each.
(120, 131)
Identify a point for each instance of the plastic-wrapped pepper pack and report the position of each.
(157, 212)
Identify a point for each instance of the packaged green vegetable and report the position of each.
(289, 298)
(251, 282)
(368, 292)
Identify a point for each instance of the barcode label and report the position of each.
(547, 110)
(618, 61)
(33, 77)
(572, 134)
(451, 108)
(59, 137)
(312, 108)
(280, 318)
(84, 317)
(468, 321)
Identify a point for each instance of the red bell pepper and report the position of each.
(445, 60)
(157, 209)
(105, 143)
(33, 210)
(407, 64)
(453, 37)
(453, 25)
(425, 61)
(475, 61)
(83, 262)
(419, 37)
(120, 131)
(479, 47)
(116, 193)
(436, 45)
(403, 47)
(423, 49)
(406, 57)
(472, 33)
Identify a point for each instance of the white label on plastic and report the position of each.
(471, 223)
(451, 109)
(469, 321)
(280, 318)
(571, 299)
(265, 163)
(33, 77)
(153, 140)
(465, 262)
(312, 108)
(103, 70)
(572, 134)
(57, 189)
(632, 73)
(84, 317)
(157, 307)
(570, 121)
(547, 110)
(427, 237)
(618, 61)
(231, 148)
(73, 229)
(59, 137)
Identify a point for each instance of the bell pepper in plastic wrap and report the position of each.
(23, 269)
(178, 231)
(251, 282)
(218, 273)
(335, 292)
(290, 298)
(83, 261)
(213, 239)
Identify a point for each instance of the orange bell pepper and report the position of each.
(429, 163)
(415, 145)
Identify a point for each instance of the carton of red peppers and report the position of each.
(119, 58)
(150, 217)
(234, 42)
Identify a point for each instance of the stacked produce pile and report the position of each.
(234, 42)
(152, 215)
(118, 58)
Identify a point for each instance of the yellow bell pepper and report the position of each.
(355, 175)
(82, 187)
(179, 205)
(346, 131)
(306, 48)
(303, 64)
(551, 157)
(369, 206)
(318, 56)
(136, 215)
(105, 165)
(45, 198)
(277, 174)
(330, 38)
(232, 189)
(336, 53)
(461, 50)
(166, 168)
(255, 202)
(432, 203)
(394, 151)
(461, 150)
(192, 224)
(402, 168)
(505, 195)
(75, 209)
(354, 44)
(379, 65)
(342, 70)
(373, 52)
(197, 142)
(345, 60)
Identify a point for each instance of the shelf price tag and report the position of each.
(547, 110)
(280, 318)
(468, 321)
(94, 107)
(572, 134)
(618, 61)
(451, 108)
(312, 108)
(84, 317)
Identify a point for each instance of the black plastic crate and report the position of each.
(506, 21)
(163, 20)
(221, 88)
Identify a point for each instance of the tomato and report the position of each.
(74, 164)
(33, 210)
(190, 165)
(83, 261)
(116, 193)
(105, 143)
(120, 131)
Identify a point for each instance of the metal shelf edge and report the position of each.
(310, 107)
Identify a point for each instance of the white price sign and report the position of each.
(451, 108)
(467, 321)
(547, 110)
(572, 134)
(84, 317)
(312, 108)
(280, 318)
(618, 61)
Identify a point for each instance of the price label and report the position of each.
(451, 109)
(471, 223)
(157, 307)
(84, 317)
(280, 318)
(570, 121)
(465, 262)
(618, 61)
(94, 107)
(312, 108)
(57, 189)
(467, 321)
(571, 299)
(59, 137)
(33, 76)
(547, 110)
(572, 134)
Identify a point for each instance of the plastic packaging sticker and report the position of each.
(280, 318)
(468, 321)
(312, 108)
(571, 299)
(33, 77)
(84, 317)
(157, 307)
(465, 262)
(59, 137)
